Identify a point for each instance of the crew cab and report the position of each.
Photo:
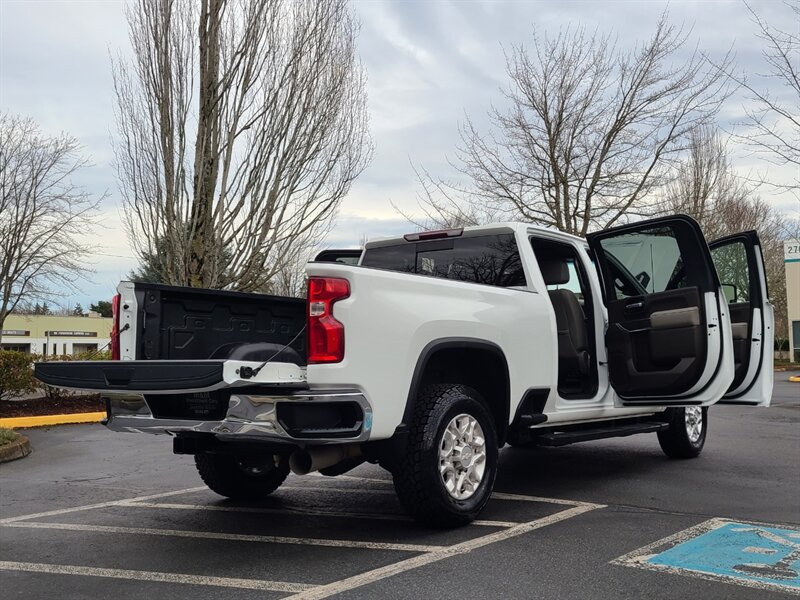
(428, 353)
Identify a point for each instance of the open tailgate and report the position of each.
(167, 376)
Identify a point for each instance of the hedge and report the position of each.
(16, 374)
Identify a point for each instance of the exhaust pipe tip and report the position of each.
(305, 461)
(300, 462)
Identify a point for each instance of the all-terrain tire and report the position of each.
(417, 477)
(683, 439)
(238, 478)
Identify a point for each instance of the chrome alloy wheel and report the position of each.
(694, 423)
(462, 456)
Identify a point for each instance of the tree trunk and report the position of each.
(201, 226)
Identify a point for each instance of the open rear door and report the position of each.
(740, 266)
(668, 336)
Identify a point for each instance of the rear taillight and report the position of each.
(115, 328)
(325, 334)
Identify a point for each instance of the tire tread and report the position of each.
(416, 494)
(222, 474)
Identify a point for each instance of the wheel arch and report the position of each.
(476, 363)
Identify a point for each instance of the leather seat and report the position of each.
(573, 339)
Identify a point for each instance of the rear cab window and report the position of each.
(485, 259)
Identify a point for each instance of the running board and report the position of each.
(562, 438)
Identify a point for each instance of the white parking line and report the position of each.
(496, 495)
(235, 537)
(64, 511)
(428, 553)
(343, 585)
(521, 498)
(291, 510)
(228, 582)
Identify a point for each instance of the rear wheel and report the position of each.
(446, 471)
(241, 478)
(687, 431)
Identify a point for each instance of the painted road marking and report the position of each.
(292, 510)
(64, 511)
(757, 555)
(228, 582)
(350, 583)
(427, 554)
(234, 537)
(495, 495)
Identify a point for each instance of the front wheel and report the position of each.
(241, 478)
(687, 431)
(446, 471)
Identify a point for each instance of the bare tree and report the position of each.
(241, 127)
(443, 207)
(773, 116)
(43, 214)
(591, 129)
(706, 187)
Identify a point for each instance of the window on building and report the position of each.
(16, 347)
(83, 348)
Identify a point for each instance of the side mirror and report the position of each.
(731, 292)
(643, 278)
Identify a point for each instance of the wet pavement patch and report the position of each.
(756, 555)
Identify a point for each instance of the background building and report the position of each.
(791, 260)
(51, 335)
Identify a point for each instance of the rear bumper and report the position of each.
(306, 416)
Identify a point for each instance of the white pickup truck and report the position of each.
(429, 352)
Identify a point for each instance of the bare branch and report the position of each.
(592, 129)
(42, 214)
(706, 188)
(241, 127)
(772, 127)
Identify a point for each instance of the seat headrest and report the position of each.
(554, 271)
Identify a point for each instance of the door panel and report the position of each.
(659, 345)
(668, 334)
(740, 267)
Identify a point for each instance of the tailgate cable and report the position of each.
(250, 372)
(99, 350)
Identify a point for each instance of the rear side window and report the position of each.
(489, 260)
(574, 283)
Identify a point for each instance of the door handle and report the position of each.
(634, 306)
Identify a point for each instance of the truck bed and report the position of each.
(180, 323)
(181, 340)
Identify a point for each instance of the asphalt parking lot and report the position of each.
(93, 514)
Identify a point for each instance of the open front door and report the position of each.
(740, 267)
(668, 336)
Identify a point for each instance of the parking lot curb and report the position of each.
(43, 420)
(19, 448)
(795, 378)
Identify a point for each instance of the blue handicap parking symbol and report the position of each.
(744, 551)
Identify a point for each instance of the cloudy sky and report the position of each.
(429, 63)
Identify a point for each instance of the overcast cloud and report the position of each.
(429, 63)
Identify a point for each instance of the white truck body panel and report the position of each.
(391, 317)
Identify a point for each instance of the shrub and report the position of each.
(6, 436)
(16, 374)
